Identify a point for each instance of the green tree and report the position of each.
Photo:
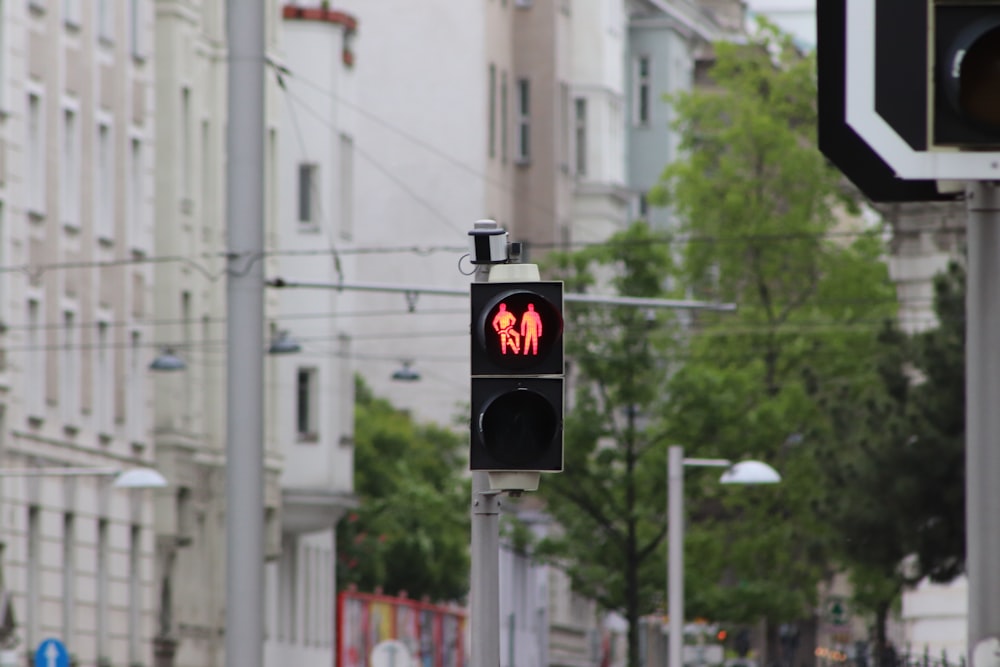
(766, 224)
(610, 502)
(894, 461)
(411, 530)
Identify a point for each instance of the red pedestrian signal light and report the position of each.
(517, 328)
(517, 376)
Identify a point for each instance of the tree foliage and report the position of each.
(610, 502)
(411, 530)
(768, 227)
(894, 460)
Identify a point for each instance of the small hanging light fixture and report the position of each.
(283, 343)
(168, 360)
(406, 374)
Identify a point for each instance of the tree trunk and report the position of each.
(885, 655)
(632, 615)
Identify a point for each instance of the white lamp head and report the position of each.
(140, 478)
(750, 472)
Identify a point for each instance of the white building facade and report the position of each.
(76, 216)
(434, 115)
(311, 392)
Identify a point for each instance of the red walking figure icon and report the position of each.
(503, 324)
(531, 329)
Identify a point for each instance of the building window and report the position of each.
(565, 127)
(641, 94)
(306, 405)
(136, 191)
(104, 181)
(187, 335)
(3, 261)
(134, 389)
(70, 178)
(580, 130)
(71, 14)
(186, 149)
(3, 61)
(36, 155)
(69, 574)
(307, 193)
(102, 380)
(308, 617)
(69, 383)
(523, 120)
(35, 361)
(346, 186)
(136, 16)
(134, 594)
(271, 168)
(643, 207)
(493, 111)
(33, 575)
(503, 117)
(106, 20)
(288, 599)
(102, 588)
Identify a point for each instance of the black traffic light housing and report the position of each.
(924, 85)
(517, 376)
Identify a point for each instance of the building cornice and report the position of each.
(323, 14)
(327, 15)
(690, 23)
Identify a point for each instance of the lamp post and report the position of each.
(744, 472)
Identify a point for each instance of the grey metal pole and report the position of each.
(245, 336)
(675, 555)
(485, 593)
(485, 575)
(982, 390)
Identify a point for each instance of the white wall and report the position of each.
(421, 183)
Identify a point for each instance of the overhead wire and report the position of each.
(313, 186)
(38, 269)
(418, 141)
(428, 206)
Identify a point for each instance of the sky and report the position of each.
(795, 16)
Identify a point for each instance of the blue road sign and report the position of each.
(51, 653)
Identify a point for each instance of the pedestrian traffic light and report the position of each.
(517, 376)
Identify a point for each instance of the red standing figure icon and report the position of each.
(531, 329)
(503, 324)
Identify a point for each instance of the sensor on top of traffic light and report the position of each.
(517, 328)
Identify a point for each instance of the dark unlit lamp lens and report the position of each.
(517, 427)
(979, 96)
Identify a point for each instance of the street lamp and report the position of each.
(136, 478)
(744, 472)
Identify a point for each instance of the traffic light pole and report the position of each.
(982, 389)
(485, 594)
(485, 555)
